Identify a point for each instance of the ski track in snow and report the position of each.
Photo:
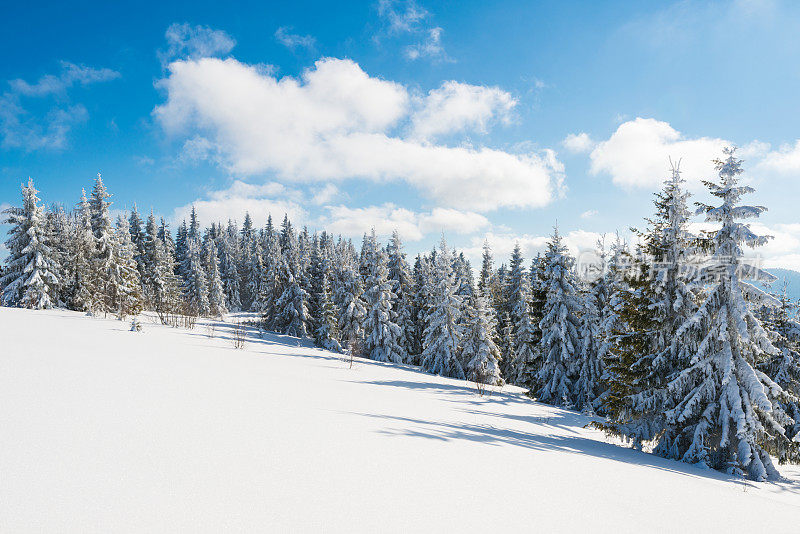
(171, 430)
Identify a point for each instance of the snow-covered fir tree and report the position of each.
(216, 293)
(403, 288)
(126, 287)
(103, 260)
(721, 410)
(195, 284)
(560, 327)
(478, 349)
(382, 335)
(292, 316)
(349, 299)
(440, 354)
(30, 278)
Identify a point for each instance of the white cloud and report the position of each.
(401, 16)
(409, 18)
(430, 47)
(637, 154)
(71, 74)
(194, 42)
(412, 226)
(19, 128)
(785, 160)
(457, 107)
(588, 214)
(325, 195)
(578, 143)
(502, 245)
(336, 122)
(292, 40)
(240, 198)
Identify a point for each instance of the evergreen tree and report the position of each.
(382, 334)
(31, 275)
(216, 293)
(104, 259)
(195, 284)
(126, 297)
(560, 327)
(349, 298)
(80, 247)
(138, 239)
(403, 288)
(442, 333)
(721, 411)
(479, 350)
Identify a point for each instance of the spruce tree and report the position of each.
(31, 275)
(560, 327)
(478, 348)
(382, 335)
(442, 333)
(721, 410)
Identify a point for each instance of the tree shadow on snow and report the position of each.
(497, 435)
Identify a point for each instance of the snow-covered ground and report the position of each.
(167, 430)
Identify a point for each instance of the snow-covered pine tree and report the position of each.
(784, 368)
(181, 246)
(248, 281)
(326, 333)
(440, 354)
(403, 288)
(31, 275)
(522, 365)
(560, 327)
(195, 284)
(349, 299)
(478, 348)
(138, 239)
(216, 293)
(80, 246)
(126, 287)
(382, 335)
(104, 258)
(163, 285)
(291, 307)
(721, 411)
(228, 260)
(646, 310)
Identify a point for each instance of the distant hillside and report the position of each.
(793, 279)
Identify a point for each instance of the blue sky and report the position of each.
(470, 118)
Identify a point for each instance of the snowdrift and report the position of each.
(168, 430)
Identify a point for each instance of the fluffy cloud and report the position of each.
(193, 42)
(578, 143)
(412, 226)
(257, 200)
(457, 107)
(785, 160)
(588, 214)
(502, 245)
(637, 154)
(337, 122)
(292, 40)
(19, 128)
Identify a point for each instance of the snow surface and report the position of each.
(167, 430)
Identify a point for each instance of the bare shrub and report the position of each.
(238, 334)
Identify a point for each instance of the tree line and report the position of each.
(692, 362)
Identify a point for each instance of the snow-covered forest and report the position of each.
(680, 357)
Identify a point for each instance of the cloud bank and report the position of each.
(336, 122)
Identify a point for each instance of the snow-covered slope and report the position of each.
(168, 430)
